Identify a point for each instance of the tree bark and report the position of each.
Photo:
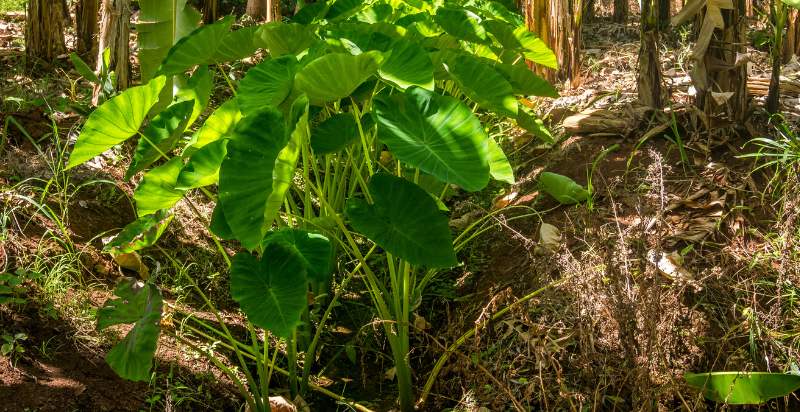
(558, 23)
(115, 35)
(620, 11)
(720, 69)
(778, 15)
(44, 31)
(86, 12)
(268, 10)
(210, 11)
(792, 45)
(649, 76)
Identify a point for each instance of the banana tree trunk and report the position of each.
(86, 12)
(558, 23)
(719, 72)
(268, 10)
(210, 11)
(44, 31)
(649, 76)
(620, 11)
(115, 35)
(792, 45)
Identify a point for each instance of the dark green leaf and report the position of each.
(334, 133)
(271, 291)
(157, 190)
(237, 45)
(202, 169)
(525, 82)
(461, 23)
(83, 69)
(405, 221)
(160, 136)
(483, 85)
(285, 38)
(140, 304)
(198, 48)
(139, 234)
(313, 248)
(267, 84)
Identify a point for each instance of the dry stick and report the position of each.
(440, 363)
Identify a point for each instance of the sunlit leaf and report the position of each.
(743, 388)
(202, 169)
(115, 121)
(408, 65)
(284, 38)
(335, 76)
(198, 48)
(562, 188)
(438, 134)
(461, 23)
(157, 190)
(139, 234)
(160, 136)
(499, 167)
(266, 84)
(483, 85)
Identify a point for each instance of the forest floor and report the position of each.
(683, 262)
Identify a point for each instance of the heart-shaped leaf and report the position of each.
(267, 84)
(157, 190)
(160, 136)
(743, 388)
(139, 234)
(525, 82)
(140, 304)
(408, 65)
(405, 221)
(336, 75)
(202, 169)
(115, 121)
(562, 188)
(499, 167)
(271, 291)
(461, 23)
(521, 40)
(313, 248)
(483, 85)
(284, 38)
(437, 134)
(220, 124)
(198, 48)
(335, 133)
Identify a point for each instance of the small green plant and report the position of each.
(339, 146)
(12, 345)
(13, 288)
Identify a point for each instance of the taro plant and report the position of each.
(341, 145)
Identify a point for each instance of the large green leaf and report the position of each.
(499, 167)
(285, 38)
(198, 48)
(313, 248)
(342, 9)
(793, 3)
(115, 121)
(408, 65)
(139, 234)
(483, 85)
(247, 174)
(521, 40)
(157, 190)
(202, 169)
(139, 304)
(334, 134)
(161, 24)
(743, 388)
(219, 225)
(311, 12)
(237, 45)
(336, 75)
(562, 188)
(525, 82)
(437, 134)
(267, 84)
(271, 291)
(461, 23)
(219, 125)
(160, 136)
(405, 221)
(196, 88)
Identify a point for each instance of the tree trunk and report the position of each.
(664, 13)
(558, 23)
(792, 45)
(588, 11)
(268, 10)
(649, 75)
(210, 11)
(720, 70)
(778, 14)
(44, 31)
(86, 12)
(115, 35)
(620, 11)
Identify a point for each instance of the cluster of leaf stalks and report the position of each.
(342, 145)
